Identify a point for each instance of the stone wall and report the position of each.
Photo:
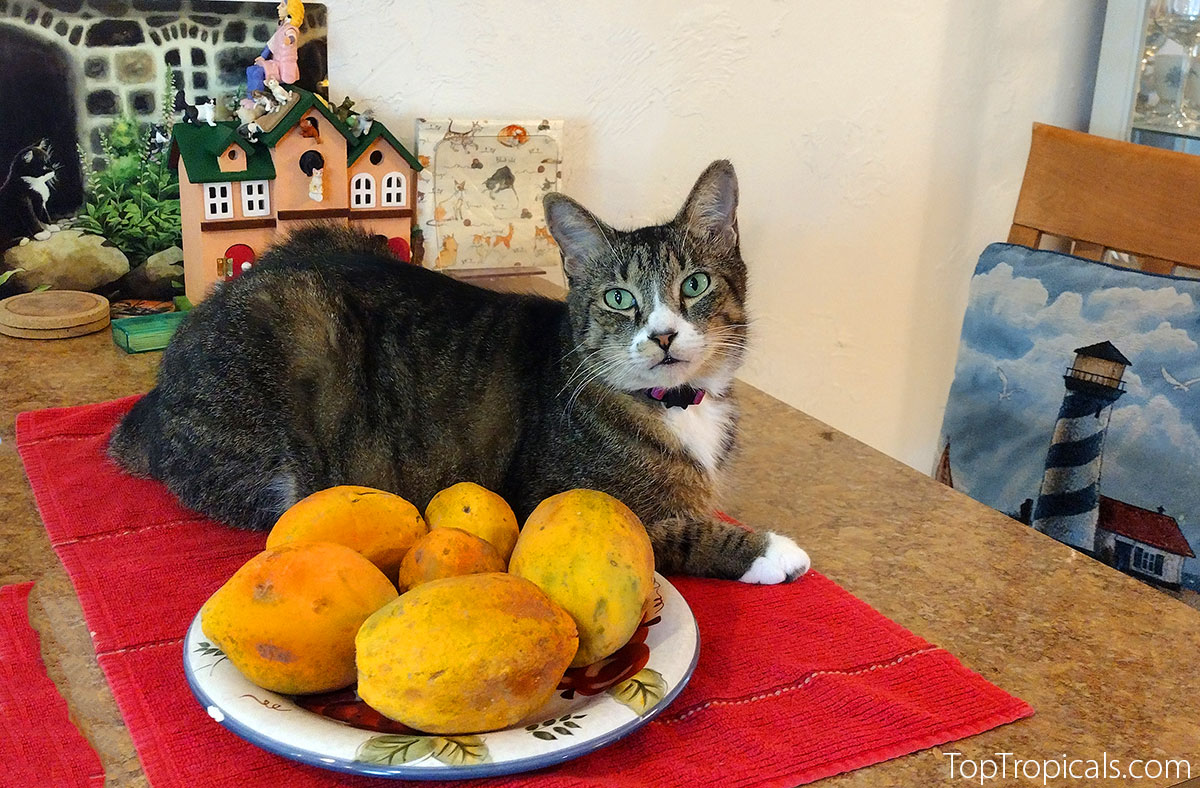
(121, 49)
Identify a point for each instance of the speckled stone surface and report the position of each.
(1110, 664)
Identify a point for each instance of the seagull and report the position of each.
(1184, 386)
(1005, 391)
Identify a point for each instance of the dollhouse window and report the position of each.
(255, 201)
(395, 188)
(362, 191)
(218, 201)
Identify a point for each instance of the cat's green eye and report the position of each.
(696, 284)
(619, 298)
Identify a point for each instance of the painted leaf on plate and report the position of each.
(460, 750)
(559, 726)
(390, 749)
(641, 692)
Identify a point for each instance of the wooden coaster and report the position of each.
(56, 333)
(53, 309)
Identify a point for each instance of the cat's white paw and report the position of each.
(23, 242)
(41, 236)
(53, 228)
(783, 561)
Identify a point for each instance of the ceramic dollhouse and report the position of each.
(239, 188)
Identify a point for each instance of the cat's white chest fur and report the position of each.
(41, 184)
(701, 429)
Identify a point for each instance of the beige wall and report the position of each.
(879, 149)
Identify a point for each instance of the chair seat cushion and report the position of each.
(1075, 408)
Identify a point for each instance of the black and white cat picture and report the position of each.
(25, 195)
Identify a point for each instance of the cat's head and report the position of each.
(660, 306)
(33, 161)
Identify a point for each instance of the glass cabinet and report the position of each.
(1148, 76)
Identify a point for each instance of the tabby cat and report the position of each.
(329, 363)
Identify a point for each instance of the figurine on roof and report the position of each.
(278, 58)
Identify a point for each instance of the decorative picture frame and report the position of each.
(92, 92)
(479, 196)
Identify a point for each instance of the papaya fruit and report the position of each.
(464, 654)
(476, 510)
(288, 617)
(590, 554)
(378, 524)
(447, 552)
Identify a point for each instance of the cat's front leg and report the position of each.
(709, 547)
(43, 217)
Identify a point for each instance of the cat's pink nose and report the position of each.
(664, 340)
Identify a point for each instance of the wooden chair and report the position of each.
(1102, 194)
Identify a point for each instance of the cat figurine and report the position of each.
(250, 131)
(25, 195)
(329, 364)
(363, 122)
(195, 113)
(278, 92)
(265, 102)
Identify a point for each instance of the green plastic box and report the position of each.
(148, 332)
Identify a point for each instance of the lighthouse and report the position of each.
(1068, 503)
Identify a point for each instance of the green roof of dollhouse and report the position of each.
(376, 131)
(201, 147)
(306, 102)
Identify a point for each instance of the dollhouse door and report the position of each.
(242, 258)
(399, 247)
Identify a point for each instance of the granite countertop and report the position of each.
(1111, 665)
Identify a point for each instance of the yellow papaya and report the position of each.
(590, 553)
(378, 524)
(287, 618)
(464, 654)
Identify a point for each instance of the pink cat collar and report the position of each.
(680, 397)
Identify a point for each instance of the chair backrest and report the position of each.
(1103, 194)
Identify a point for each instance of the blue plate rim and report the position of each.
(406, 772)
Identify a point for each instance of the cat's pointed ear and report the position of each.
(581, 237)
(711, 208)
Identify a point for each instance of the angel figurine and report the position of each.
(278, 58)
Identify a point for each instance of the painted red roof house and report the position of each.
(1145, 543)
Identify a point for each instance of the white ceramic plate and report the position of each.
(593, 707)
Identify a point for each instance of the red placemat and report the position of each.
(794, 682)
(38, 743)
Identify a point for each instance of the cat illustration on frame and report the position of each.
(483, 184)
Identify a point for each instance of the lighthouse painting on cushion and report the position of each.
(1068, 503)
(1075, 409)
